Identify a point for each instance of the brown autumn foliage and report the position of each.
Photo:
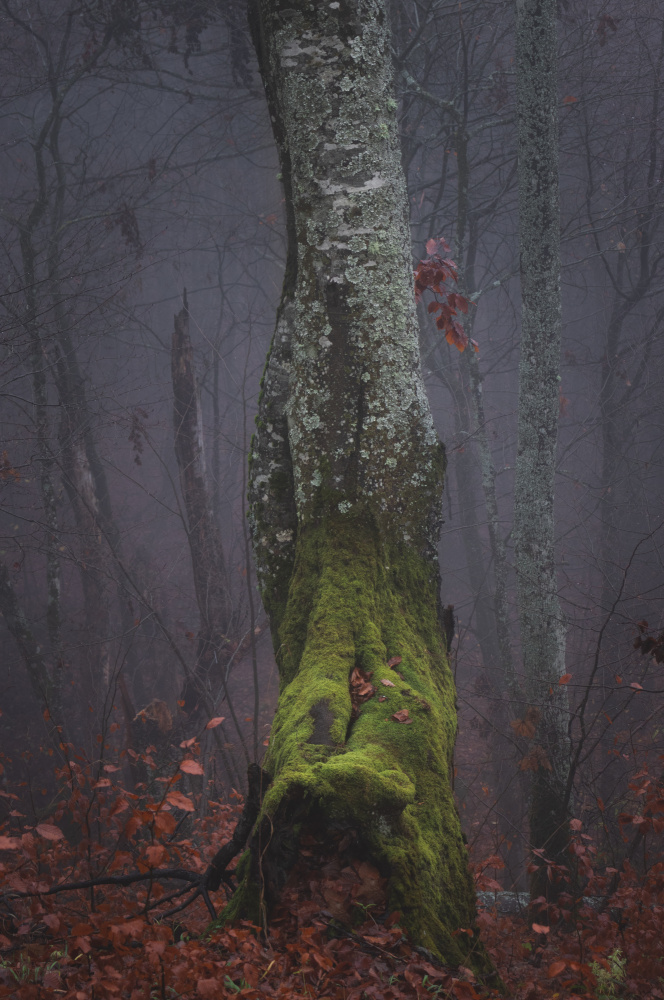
(333, 936)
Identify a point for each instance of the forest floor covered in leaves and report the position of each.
(120, 939)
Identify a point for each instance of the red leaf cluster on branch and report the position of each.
(431, 274)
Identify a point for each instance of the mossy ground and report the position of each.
(357, 600)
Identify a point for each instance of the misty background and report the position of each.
(137, 162)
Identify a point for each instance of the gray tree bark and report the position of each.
(541, 622)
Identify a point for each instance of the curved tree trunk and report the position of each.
(346, 479)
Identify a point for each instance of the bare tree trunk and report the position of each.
(38, 362)
(83, 472)
(100, 556)
(474, 424)
(473, 384)
(207, 557)
(45, 683)
(490, 604)
(491, 622)
(87, 488)
(542, 626)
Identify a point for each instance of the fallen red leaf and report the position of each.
(190, 766)
(209, 987)
(556, 968)
(83, 944)
(49, 831)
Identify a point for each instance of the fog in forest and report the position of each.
(143, 240)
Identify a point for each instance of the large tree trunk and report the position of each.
(346, 479)
(542, 626)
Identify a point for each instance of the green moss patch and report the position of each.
(356, 600)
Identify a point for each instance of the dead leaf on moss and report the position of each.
(361, 688)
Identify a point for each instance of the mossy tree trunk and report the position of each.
(346, 481)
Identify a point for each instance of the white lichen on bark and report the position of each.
(355, 406)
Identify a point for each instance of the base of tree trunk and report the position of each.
(361, 807)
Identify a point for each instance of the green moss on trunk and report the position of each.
(358, 600)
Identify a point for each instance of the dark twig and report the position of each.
(326, 917)
(183, 874)
(183, 906)
(167, 899)
(210, 880)
(257, 780)
(201, 891)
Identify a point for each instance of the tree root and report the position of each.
(257, 781)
